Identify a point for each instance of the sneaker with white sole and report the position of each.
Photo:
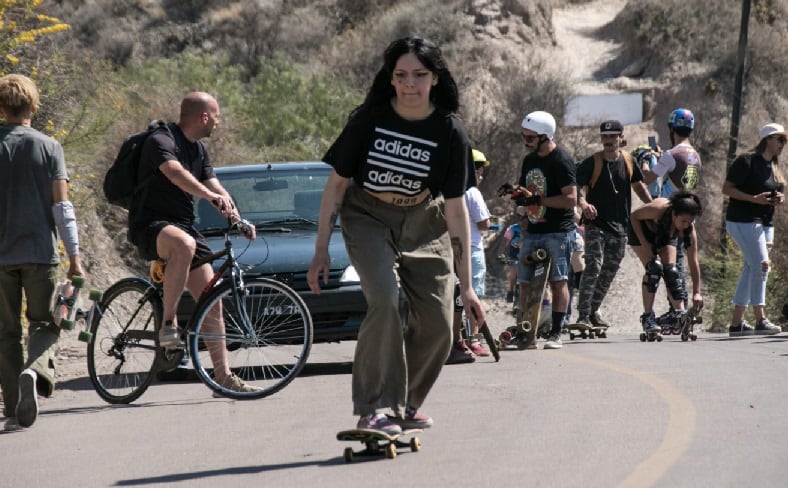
(170, 336)
(378, 421)
(234, 383)
(553, 342)
(764, 327)
(413, 420)
(741, 329)
(27, 406)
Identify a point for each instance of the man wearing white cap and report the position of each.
(754, 184)
(548, 173)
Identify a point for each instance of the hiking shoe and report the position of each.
(378, 421)
(598, 321)
(460, 354)
(553, 342)
(236, 384)
(649, 322)
(413, 420)
(170, 336)
(27, 407)
(509, 296)
(478, 348)
(764, 327)
(741, 329)
(12, 425)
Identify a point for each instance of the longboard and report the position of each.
(585, 331)
(528, 323)
(378, 443)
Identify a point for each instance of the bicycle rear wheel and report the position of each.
(122, 350)
(267, 339)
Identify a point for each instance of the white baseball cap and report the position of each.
(772, 130)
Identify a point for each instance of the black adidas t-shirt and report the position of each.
(546, 176)
(751, 174)
(164, 200)
(383, 152)
(611, 194)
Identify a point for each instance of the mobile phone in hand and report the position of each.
(652, 143)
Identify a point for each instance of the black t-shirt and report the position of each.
(546, 176)
(164, 200)
(611, 194)
(383, 152)
(751, 174)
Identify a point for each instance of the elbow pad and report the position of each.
(66, 223)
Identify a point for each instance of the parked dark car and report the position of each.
(282, 200)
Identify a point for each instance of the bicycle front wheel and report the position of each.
(265, 336)
(122, 349)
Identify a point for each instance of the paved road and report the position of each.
(599, 413)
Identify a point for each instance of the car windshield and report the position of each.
(269, 196)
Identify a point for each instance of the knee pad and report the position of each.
(652, 276)
(674, 283)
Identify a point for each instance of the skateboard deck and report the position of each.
(585, 331)
(491, 344)
(652, 336)
(528, 323)
(378, 443)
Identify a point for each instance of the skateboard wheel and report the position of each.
(571, 336)
(66, 324)
(391, 451)
(95, 295)
(505, 337)
(642, 337)
(78, 281)
(415, 444)
(693, 337)
(85, 336)
(348, 454)
(684, 337)
(659, 338)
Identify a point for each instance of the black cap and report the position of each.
(611, 127)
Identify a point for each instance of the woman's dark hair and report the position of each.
(685, 202)
(444, 95)
(776, 170)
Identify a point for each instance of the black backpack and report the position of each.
(121, 181)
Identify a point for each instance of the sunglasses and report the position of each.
(780, 139)
(529, 139)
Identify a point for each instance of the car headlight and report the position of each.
(349, 274)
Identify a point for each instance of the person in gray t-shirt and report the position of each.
(34, 210)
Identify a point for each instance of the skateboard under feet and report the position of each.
(378, 443)
(585, 331)
(651, 336)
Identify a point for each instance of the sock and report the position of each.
(558, 320)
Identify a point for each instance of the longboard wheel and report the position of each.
(693, 337)
(391, 451)
(571, 336)
(85, 336)
(659, 338)
(415, 444)
(642, 337)
(78, 281)
(348, 454)
(95, 295)
(66, 324)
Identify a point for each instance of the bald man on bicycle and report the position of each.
(161, 216)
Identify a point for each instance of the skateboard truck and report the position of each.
(66, 306)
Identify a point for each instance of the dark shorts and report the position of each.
(144, 238)
(651, 237)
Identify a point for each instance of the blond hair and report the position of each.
(18, 95)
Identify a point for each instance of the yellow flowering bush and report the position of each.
(21, 25)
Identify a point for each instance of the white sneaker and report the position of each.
(27, 407)
(553, 342)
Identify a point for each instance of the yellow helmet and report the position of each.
(479, 158)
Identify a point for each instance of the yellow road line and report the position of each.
(678, 434)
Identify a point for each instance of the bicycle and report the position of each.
(267, 332)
